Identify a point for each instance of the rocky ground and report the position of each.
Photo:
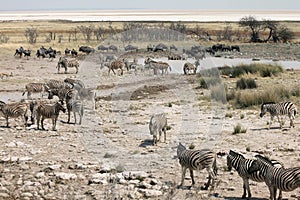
(111, 156)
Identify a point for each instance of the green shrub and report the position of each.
(244, 83)
(264, 70)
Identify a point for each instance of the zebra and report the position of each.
(74, 105)
(46, 111)
(157, 65)
(74, 82)
(187, 67)
(157, 125)
(285, 179)
(35, 88)
(116, 64)
(279, 109)
(242, 165)
(129, 64)
(86, 93)
(65, 63)
(197, 160)
(14, 110)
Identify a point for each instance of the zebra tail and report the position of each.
(295, 112)
(23, 93)
(215, 168)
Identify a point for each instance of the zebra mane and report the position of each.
(264, 160)
(180, 148)
(233, 153)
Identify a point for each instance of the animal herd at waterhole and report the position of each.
(72, 94)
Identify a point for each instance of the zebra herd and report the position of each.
(71, 91)
(259, 169)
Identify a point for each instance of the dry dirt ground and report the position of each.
(111, 156)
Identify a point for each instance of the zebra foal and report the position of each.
(197, 160)
(47, 111)
(157, 125)
(188, 68)
(285, 179)
(242, 166)
(14, 110)
(278, 110)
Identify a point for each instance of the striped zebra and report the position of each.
(189, 67)
(35, 88)
(47, 111)
(59, 89)
(285, 179)
(278, 110)
(87, 94)
(67, 63)
(242, 166)
(14, 110)
(157, 65)
(157, 125)
(74, 82)
(74, 105)
(197, 160)
(116, 64)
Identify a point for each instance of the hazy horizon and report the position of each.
(37, 5)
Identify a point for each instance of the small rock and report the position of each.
(150, 193)
(65, 176)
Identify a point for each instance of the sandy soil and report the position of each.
(115, 138)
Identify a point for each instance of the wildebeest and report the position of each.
(210, 51)
(102, 48)
(150, 47)
(67, 51)
(113, 48)
(27, 53)
(173, 47)
(235, 47)
(160, 47)
(74, 53)
(131, 48)
(19, 52)
(86, 49)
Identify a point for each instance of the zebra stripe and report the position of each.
(14, 110)
(285, 179)
(46, 111)
(279, 109)
(197, 160)
(157, 65)
(188, 67)
(74, 82)
(158, 123)
(116, 64)
(67, 63)
(242, 166)
(74, 106)
(35, 88)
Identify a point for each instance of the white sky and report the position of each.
(149, 4)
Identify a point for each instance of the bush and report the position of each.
(264, 70)
(207, 82)
(238, 129)
(218, 93)
(244, 83)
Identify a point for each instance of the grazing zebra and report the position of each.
(74, 82)
(188, 67)
(116, 64)
(47, 111)
(242, 165)
(35, 88)
(279, 109)
(74, 105)
(14, 110)
(285, 179)
(197, 160)
(65, 63)
(157, 125)
(157, 65)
